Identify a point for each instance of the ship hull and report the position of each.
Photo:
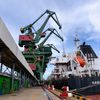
(85, 85)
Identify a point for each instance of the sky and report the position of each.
(76, 16)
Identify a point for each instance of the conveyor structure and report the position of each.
(14, 69)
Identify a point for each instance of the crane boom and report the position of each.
(28, 29)
(53, 47)
(52, 31)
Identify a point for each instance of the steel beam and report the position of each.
(20, 77)
(24, 78)
(1, 68)
(13, 76)
(0, 62)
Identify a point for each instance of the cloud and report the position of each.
(84, 20)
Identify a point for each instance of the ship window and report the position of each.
(57, 66)
(68, 68)
(57, 76)
(96, 73)
(62, 70)
(57, 71)
(74, 68)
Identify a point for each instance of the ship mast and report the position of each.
(76, 40)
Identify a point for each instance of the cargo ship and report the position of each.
(78, 70)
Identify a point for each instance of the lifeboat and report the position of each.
(80, 60)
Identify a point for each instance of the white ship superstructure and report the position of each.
(61, 68)
(70, 64)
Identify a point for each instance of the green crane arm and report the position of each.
(54, 17)
(53, 47)
(52, 30)
(29, 27)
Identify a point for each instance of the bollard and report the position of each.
(64, 94)
(52, 87)
(69, 94)
(49, 87)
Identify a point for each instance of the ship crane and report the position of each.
(43, 52)
(53, 47)
(41, 46)
(37, 54)
(27, 30)
(52, 31)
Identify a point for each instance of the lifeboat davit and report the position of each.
(80, 60)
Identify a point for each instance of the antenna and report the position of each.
(76, 40)
(63, 46)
